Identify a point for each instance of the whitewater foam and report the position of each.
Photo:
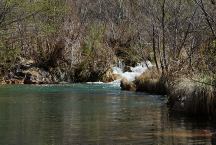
(129, 75)
(135, 71)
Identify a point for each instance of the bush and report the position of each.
(128, 86)
(193, 96)
(151, 81)
(96, 56)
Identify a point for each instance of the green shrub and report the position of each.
(96, 56)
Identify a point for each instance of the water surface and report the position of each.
(92, 114)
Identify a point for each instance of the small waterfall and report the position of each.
(129, 75)
(135, 71)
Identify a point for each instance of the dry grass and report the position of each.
(151, 81)
(192, 97)
(128, 86)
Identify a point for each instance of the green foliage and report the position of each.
(96, 56)
(87, 71)
(51, 15)
(24, 19)
(93, 39)
(8, 56)
(45, 16)
(131, 56)
(209, 56)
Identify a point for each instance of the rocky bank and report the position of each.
(28, 72)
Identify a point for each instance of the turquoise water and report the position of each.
(92, 114)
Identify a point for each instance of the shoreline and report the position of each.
(183, 93)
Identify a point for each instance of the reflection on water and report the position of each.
(92, 114)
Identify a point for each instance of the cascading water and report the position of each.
(130, 75)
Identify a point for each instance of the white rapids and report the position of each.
(135, 71)
(129, 75)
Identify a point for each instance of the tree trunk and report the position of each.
(154, 46)
(163, 36)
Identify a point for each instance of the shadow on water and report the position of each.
(93, 114)
(197, 127)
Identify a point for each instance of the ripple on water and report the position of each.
(92, 114)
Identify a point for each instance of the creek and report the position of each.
(93, 114)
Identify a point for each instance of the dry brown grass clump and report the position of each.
(151, 81)
(193, 97)
(128, 86)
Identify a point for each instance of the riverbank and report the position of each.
(29, 71)
(185, 94)
(151, 81)
(190, 95)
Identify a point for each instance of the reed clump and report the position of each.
(128, 86)
(151, 81)
(194, 95)
(187, 93)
